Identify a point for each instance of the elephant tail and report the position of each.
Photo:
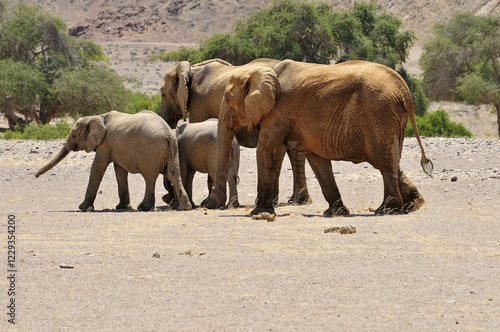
(426, 163)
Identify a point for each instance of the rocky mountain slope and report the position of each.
(188, 21)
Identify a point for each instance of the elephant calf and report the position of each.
(197, 153)
(135, 143)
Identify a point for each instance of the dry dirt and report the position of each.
(436, 269)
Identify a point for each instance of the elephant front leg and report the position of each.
(322, 168)
(300, 193)
(268, 159)
(123, 192)
(96, 173)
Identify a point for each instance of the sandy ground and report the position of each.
(436, 269)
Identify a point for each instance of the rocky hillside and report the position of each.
(187, 21)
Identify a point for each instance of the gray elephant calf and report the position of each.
(197, 153)
(139, 143)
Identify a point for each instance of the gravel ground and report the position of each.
(436, 269)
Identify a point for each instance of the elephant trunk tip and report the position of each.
(37, 175)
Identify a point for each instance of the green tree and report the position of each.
(39, 57)
(309, 31)
(462, 61)
(313, 32)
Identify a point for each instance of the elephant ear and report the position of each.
(96, 130)
(183, 70)
(261, 88)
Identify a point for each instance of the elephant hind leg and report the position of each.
(393, 201)
(412, 200)
(173, 175)
(123, 192)
(148, 202)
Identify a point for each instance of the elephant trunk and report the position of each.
(60, 156)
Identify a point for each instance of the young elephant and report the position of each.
(197, 144)
(139, 143)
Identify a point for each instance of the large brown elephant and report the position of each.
(134, 143)
(354, 111)
(198, 89)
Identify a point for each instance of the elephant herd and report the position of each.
(353, 111)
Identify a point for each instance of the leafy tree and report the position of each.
(40, 62)
(309, 31)
(87, 91)
(462, 61)
(20, 88)
(313, 32)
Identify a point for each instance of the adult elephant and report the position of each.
(354, 111)
(198, 89)
(134, 143)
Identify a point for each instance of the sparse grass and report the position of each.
(40, 132)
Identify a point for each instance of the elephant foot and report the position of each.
(145, 206)
(167, 199)
(262, 209)
(389, 207)
(233, 203)
(184, 206)
(216, 199)
(413, 201)
(86, 207)
(124, 206)
(337, 209)
(301, 198)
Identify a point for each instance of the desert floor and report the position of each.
(436, 269)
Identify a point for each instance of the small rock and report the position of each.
(156, 255)
(341, 230)
(65, 266)
(454, 179)
(265, 216)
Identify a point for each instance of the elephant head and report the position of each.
(86, 134)
(175, 93)
(250, 95)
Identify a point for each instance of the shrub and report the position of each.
(438, 124)
(40, 132)
(140, 101)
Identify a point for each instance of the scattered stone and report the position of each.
(265, 216)
(454, 179)
(341, 230)
(65, 266)
(156, 255)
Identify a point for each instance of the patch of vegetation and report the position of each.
(461, 61)
(40, 132)
(140, 101)
(45, 72)
(307, 31)
(437, 124)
